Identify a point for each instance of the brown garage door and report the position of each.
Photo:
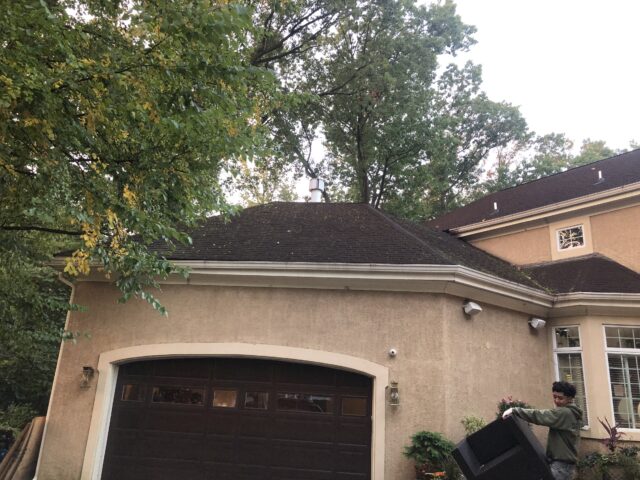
(237, 419)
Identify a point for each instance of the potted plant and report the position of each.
(431, 453)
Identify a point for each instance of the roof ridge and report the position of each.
(560, 173)
(432, 248)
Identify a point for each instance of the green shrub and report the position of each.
(472, 424)
(431, 452)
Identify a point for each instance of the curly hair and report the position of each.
(564, 387)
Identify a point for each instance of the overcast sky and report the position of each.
(572, 66)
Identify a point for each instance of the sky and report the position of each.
(572, 66)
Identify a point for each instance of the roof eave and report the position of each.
(618, 194)
(596, 303)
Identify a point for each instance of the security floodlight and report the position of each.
(471, 308)
(537, 323)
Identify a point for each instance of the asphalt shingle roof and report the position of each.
(590, 273)
(577, 182)
(332, 233)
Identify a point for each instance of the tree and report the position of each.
(364, 80)
(116, 118)
(465, 127)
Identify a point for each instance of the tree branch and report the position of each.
(30, 228)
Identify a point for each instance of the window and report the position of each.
(133, 392)
(303, 402)
(256, 400)
(183, 395)
(571, 237)
(569, 368)
(354, 406)
(623, 355)
(225, 398)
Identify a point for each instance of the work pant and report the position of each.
(562, 470)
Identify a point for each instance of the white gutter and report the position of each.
(615, 194)
(448, 279)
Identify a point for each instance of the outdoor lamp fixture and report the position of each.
(87, 375)
(471, 308)
(537, 323)
(394, 395)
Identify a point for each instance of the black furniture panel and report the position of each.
(503, 450)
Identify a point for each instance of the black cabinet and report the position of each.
(503, 450)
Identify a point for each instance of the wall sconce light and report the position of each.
(471, 308)
(537, 323)
(87, 375)
(394, 395)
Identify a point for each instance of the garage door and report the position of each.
(237, 419)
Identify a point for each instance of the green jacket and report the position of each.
(564, 429)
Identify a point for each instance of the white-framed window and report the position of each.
(570, 237)
(567, 350)
(623, 359)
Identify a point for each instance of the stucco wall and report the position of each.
(617, 235)
(614, 233)
(448, 366)
(530, 246)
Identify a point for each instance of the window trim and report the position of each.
(556, 365)
(584, 237)
(619, 351)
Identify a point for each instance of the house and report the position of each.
(578, 234)
(311, 340)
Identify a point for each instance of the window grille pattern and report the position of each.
(569, 364)
(570, 370)
(571, 237)
(623, 337)
(623, 345)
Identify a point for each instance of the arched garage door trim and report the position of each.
(108, 373)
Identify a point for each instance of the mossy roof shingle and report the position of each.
(332, 233)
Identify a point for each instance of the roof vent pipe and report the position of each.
(495, 206)
(316, 187)
(600, 177)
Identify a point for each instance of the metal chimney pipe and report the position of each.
(316, 187)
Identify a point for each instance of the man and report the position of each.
(564, 424)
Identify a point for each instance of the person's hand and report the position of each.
(507, 413)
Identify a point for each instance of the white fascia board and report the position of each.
(452, 279)
(617, 194)
(591, 303)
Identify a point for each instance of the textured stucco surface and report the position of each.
(617, 235)
(448, 366)
(530, 246)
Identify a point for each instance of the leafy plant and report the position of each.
(614, 435)
(508, 402)
(472, 424)
(431, 453)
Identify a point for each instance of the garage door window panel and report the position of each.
(225, 398)
(305, 402)
(256, 400)
(178, 395)
(354, 406)
(133, 393)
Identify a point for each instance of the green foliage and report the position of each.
(116, 118)
(472, 424)
(605, 466)
(429, 450)
(15, 417)
(509, 402)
